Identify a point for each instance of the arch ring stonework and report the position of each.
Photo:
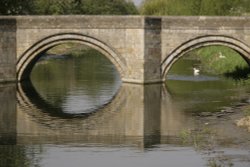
(201, 41)
(28, 59)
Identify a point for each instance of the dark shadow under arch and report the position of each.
(235, 44)
(29, 58)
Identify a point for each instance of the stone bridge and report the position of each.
(143, 49)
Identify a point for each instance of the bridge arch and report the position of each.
(29, 58)
(233, 43)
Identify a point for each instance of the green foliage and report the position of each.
(56, 7)
(195, 7)
(15, 7)
(154, 7)
(48, 7)
(106, 7)
(219, 59)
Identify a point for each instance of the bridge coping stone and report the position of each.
(149, 40)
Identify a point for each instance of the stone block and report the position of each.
(143, 45)
(7, 49)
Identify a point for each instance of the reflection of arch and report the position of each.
(237, 45)
(27, 90)
(125, 115)
(29, 97)
(39, 117)
(28, 59)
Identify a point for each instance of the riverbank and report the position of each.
(68, 48)
(220, 60)
(210, 60)
(244, 122)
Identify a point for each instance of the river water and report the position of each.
(76, 112)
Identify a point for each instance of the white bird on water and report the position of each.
(196, 71)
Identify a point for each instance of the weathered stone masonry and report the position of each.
(7, 50)
(142, 48)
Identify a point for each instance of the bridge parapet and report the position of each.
(120, 38)
(142, 48)
(183, 34)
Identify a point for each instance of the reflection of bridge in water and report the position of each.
(125, 115)
(140, 111)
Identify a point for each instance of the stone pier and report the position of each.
(143, 49)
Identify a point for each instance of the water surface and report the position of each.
(76, 112)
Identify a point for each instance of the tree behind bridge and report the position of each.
(56, 7)
(15, 7)
(195, 7)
